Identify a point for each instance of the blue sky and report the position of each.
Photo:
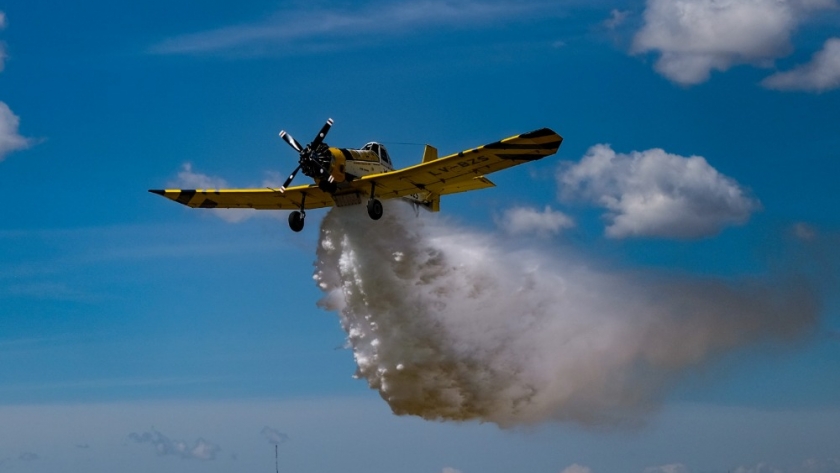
(700, 148)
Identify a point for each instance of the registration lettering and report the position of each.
(466, 163)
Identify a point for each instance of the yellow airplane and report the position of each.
(345, 176)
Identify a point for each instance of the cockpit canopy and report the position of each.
(379, 150)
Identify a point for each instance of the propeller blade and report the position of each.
(322, 134)
(292, 142)
(290, 178)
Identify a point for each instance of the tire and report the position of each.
(296, 221)
(374, 208)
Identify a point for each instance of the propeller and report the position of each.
(289, 179)
(309, 156)
(292, 142)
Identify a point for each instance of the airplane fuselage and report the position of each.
(334, 166)
(363, 163)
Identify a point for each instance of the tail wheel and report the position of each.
(374, 208)
(296, 221)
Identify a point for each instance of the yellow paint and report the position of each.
(338, 165)
(430, 153)
(433, 177)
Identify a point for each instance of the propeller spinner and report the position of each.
(311, 158)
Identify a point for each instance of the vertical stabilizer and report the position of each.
(429, 154)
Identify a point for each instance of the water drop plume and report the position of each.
(451, 324)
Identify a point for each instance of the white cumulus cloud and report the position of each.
(575, 468)
(189, 179)
(811, 465)
(656, 194)
(758, 468)
(819, 465)
(10, 139)
(530, 221)
(670, 468)
(821, 74)
(694, 37)
(199, 450)
(196, 180)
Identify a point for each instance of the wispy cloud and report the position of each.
(819, 75)
(530, 221)
(32, 342)
(616, 19)
(38, 268)
(694, 37)
(669, 468)
(575, 468)
(449, 469)
(200, 449)
(811, 465)
(3, 55)
(48, 290)
(804, 231)
(109, 383)
(313, 26)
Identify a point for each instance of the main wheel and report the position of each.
(374, 208)
(296, 221)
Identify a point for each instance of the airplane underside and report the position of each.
(344, 176)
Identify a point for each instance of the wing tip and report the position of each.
(158, 191)
(542, 132)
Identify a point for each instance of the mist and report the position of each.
(450, 324)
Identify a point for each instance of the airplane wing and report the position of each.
(459, 170)
(263, 199)
(448, 175)
(465, 185)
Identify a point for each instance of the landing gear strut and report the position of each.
(374, 206)
(296, 218)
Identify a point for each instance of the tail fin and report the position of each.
(429, 154)
(432, 203)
